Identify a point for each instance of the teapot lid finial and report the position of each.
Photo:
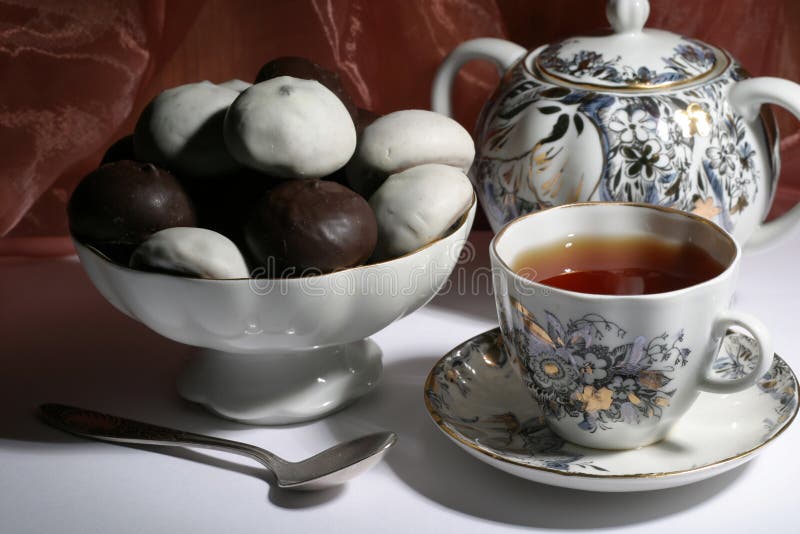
(631, 57)
(627, 16)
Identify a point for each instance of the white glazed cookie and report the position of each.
(290, 128)
(236, 84)
(405, 139)
(417, 206)
(192, 252)
(181, 129)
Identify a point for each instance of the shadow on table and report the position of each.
(62, 342)
(436, 468)
(289, 499)
(282, 498)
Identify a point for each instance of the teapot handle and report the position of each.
(500, 52)
(747, 97)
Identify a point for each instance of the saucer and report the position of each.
(475, 398)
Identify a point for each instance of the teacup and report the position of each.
(618, 371)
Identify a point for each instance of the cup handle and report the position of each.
(758, 331)
(747, 97)
(500, 52)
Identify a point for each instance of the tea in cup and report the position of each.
(613, 314)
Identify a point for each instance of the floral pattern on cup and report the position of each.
(582, 368)
(685, 149)
(689, 60)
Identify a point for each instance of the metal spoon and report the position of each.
(330, 467)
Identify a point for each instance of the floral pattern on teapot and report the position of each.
(689, 60)
(542, 145)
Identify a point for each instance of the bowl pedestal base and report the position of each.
(277, 388)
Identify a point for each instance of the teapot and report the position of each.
(630, 115)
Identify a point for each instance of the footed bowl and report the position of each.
(279, 351)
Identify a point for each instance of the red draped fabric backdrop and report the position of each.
(76, 73)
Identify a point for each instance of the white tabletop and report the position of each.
(61, 342)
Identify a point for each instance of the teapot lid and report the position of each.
(630, 57)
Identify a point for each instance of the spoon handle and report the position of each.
(105, 427)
